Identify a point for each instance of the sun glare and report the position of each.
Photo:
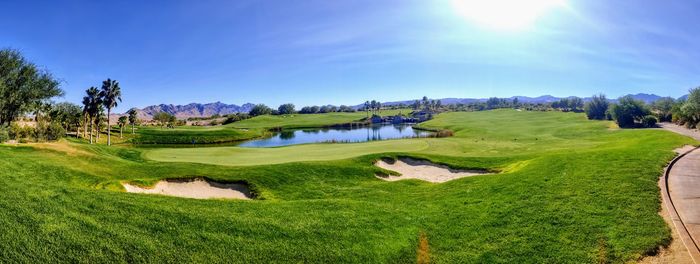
(504, 14)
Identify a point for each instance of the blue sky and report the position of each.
(344, 52)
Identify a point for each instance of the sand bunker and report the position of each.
(195, 188)
(422, 170)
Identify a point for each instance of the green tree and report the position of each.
(121, 122)
(629, 112)
(163, 118)
(597, 107)
(367, 107)
(493, 103)
(111, 94)
(260, 109)
(662, 108)
(92, 103)
(68, 115)
(286, 109)
(99, 121)
(23, 86)
(415, 105)
(691, 108)
(133, 117)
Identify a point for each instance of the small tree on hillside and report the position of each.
(260, 109)
(121, 122)
(597, 107)
(132, 118)
(286, 109)
(163, 118)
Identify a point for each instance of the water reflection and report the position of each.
(355, 134)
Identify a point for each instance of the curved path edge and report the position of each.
(690, 243)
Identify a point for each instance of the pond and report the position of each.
(345, 134)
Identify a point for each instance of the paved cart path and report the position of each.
(681, 192)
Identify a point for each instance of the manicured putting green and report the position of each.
(237, 156)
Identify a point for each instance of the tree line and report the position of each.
(25, 89)
(629, 113)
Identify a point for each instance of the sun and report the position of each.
(504, 14)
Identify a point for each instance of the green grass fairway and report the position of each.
(571, 191)
(236, 156)
(201, 135)
(308, 120)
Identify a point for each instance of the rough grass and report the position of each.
(573, 191)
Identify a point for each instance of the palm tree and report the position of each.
(121, 122)
(99, 120)
(91, 105)
(367, 105)
(111, 94)
(132, 118)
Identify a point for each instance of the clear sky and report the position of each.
(344, 52)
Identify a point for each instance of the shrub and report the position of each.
(628, 112)
(260, 109)
(54, 131)
(649, 121)
(4, 134)
(597, 107)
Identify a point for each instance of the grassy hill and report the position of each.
(570, 191)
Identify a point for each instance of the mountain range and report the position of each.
(194, 110)
(209, 109)
(647, 98)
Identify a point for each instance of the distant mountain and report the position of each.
(647, 98)
(194, 110)
(205, 110)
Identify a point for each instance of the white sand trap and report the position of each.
(422, 170)
(195, 188)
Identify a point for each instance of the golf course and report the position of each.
(557, 188)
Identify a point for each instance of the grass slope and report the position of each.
(573, 191)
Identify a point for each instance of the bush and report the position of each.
(260, 109)
(55, 131)
(17, 132)
(4, 134)
(649, 121)
(597, 108)
(629, 112)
